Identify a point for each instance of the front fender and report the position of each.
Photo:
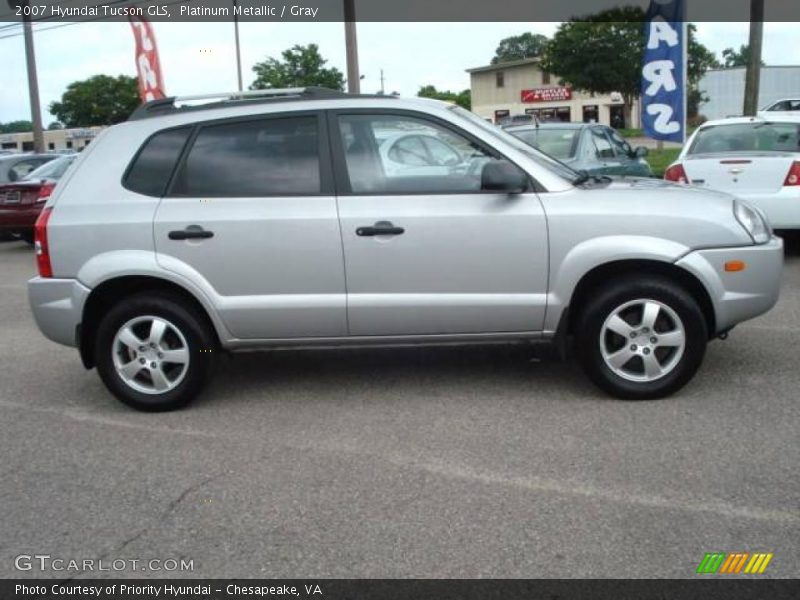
(568, 269)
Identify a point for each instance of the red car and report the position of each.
(22, 201)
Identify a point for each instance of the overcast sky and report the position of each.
(199, 58)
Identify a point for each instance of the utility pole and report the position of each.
(382, 90)
(238, 51)
(351, 47)
(753, 74)
(33, 82)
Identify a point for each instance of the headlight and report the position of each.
(753, 222)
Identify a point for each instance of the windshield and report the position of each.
(52, 170)
(558, 143)
(545, 161)
(757, 136)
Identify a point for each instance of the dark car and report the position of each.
(596, 149)
(22, 201)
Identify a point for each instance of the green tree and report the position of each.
(603, 53)
(463, 98)
(740, 58)
(99, 100)
(55, 125)
(302, 66)
(517, 47)
(16, 127)
(701, 59)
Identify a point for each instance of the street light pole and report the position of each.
(238, 51)
(753, 75)
(33, 82)
(351, 47)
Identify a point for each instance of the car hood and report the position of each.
(635, 206)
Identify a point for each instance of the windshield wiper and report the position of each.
(584, 176)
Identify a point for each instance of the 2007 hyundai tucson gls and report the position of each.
(310, 218)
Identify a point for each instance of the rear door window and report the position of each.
(152, 168)
(254, 158)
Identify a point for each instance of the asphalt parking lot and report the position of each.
(403, 463)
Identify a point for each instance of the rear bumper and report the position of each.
(741, 295)
(57, 306)
(19, 218)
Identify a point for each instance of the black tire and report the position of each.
(27, 237)
(199, 341)
(604, 302)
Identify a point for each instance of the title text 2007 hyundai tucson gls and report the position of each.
(311, 218)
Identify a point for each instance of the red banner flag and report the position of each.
(151, 84)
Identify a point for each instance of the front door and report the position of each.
(426, 251)
(251, 214)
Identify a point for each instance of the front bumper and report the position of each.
(741, 295)
(57, 306)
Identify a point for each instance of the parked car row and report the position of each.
(314, 218)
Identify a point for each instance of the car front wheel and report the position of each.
(641, 338)
(153, 352)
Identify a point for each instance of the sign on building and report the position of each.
(547, 94)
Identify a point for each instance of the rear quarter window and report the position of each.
(151, 169)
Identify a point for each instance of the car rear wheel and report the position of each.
(153, 352)
(641, 338)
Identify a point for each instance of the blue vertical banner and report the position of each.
(664, 71)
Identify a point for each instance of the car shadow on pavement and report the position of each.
(378, 375)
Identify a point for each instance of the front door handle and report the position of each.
(380, 228)
(192, 232)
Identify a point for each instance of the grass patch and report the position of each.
(660, 159)
(629, 133)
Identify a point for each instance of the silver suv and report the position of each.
(311, 218)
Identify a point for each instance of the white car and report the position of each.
(754, 158)
(787, 106)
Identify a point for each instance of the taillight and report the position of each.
(44, 192)
(793, 178)
(40, 243)
(676, 173)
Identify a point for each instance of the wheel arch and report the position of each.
(109, 292)
(600, 274)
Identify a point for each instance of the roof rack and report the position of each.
(174, 104)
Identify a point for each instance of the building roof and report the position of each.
(504, 65)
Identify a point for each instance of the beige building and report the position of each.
(55, 140)
(521, 87)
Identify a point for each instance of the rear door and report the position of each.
(429, 252)
(251, 214)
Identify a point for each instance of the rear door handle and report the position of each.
(380, 228)
(192, 232)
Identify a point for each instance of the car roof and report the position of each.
(9, 157)
(758, 119)
(545, 125)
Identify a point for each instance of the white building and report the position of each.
(522, 87)
(725, 89)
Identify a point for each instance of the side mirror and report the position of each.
(503, 176)
(640, 152)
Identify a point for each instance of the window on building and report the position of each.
(9, 146)
(500, 115)
(27, 146)
(246, 159)
(500, 79)
(591, 114)
(51, 146)
(545, 77)
(69, 143)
